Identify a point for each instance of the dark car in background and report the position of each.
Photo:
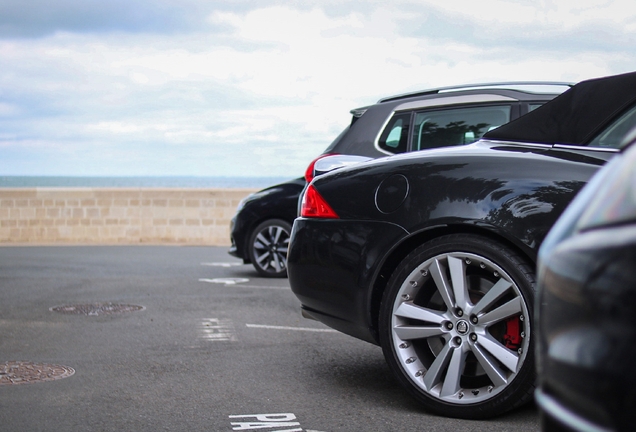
(431, 255)
(260, 228)
(416, 121)
(585, 320)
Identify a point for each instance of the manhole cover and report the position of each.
(19, 372)
(96, 309)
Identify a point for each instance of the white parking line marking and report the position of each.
(238, 284)
(264, 287)
(215, 329)
(290, 328)
(226, 281)
(222, 264)
(267, 421)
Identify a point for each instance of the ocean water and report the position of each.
(146, 182)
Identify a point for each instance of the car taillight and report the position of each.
(309, 172)
(315, 206)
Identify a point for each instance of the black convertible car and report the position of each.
(432, 254)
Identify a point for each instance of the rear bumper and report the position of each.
(233, 251)
(239, 229)
(332, 265)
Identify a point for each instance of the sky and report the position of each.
(261, 87)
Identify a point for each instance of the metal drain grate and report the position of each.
(94, 309)
(19, 372)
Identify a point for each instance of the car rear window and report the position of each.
(457, 126)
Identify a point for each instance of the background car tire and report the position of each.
(268, 248)
(455, 327)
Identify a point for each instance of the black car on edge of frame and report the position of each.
(584, 316)
(431, 255)
(415, 121)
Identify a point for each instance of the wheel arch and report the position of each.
(410, 243)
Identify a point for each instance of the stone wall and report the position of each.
(117, 215)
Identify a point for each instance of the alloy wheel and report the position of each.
(269, 248)
(465, 343)
(456, 330)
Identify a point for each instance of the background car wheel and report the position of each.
(455, 326)
(268, 248)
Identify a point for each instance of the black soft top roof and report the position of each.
(575, 116)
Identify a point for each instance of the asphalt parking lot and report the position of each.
(148, 338)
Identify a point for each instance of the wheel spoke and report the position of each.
(513, 307)
(277, 233)
(262, 258)
(282, 247)
(494, 372)
(277, 262)
(508, 358)
(442, 284)
(416, 332)
(491, 297)
(458, 277)
(264, 243)
(454, 373)
(409, 310)
(434, 374)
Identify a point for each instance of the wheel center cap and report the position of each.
(462, 327)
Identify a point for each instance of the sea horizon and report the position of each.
(140, 181)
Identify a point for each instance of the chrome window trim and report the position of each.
(554, 146)
(575, 147)
(518, 144)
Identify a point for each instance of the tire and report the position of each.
(268, 248)
(455, 326)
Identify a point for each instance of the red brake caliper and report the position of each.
(512, 337)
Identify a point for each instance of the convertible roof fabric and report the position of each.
(575, 116)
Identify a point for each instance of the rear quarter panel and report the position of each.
(512, 191)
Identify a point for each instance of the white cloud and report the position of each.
(7, 109)
(276, 82)
(556, 14)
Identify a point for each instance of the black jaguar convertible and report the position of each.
(432, 254)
